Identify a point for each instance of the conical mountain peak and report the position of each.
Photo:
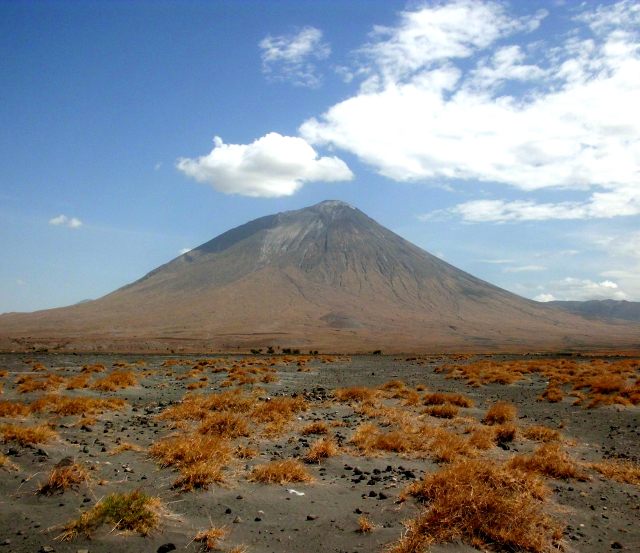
(323, 277)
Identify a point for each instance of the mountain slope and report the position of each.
(325, 277)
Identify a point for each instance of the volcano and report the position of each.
(326, 277)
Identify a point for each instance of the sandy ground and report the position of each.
(599, 514)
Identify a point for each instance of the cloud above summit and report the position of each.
(271, 166)
(293, 57)
(467, 92)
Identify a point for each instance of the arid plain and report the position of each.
(303, 453)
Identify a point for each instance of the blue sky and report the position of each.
(503, 137)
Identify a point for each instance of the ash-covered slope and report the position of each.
(325, 277)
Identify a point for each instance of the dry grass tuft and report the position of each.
(127, 512)
(117, 380)
(95, 368)
(63, 477)
(355, 394)
(500, 412)
(483, 504)
(553, 393)
(505, 433)
(27, 435)
(28, 384)
(447, 447)
(11, 409)
(316, 427)
(278, 412)
(369, 439)
(365, 526)
(199, 475)
(225, 424)
(626, 472)
(482, 438)
(446, 411)
(80, 381)
(440, 398)
(542, 434)
(65, 406)
(322, 449)
(549, 460)
(184, 450)
(5, 463)
(280, 472)
(210, 539)
(125, 446)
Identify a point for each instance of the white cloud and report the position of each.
(64, 221)
(184, 250)
(623, 259)
(524, 269)
(436, 104)
(576, 289)
(293, 57)
(271, 166)
(624, 200)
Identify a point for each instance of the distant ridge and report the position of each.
(326, 277)
(602, 309)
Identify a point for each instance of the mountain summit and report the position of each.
(325, 277)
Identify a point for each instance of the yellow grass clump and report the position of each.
(482, 504)
(316, 427)
(365, 526)
(210, 539)
(27, 435)
(355, 394)
(549, 460)
(65, 406)
(321, 449)
(5, 463)
(499, 413)
(28, 383)
(125, 446)
(186, 449)
(225, 424)
(128, 512)
(441, 398)
(626, 472)
(117, 380)
(11, 409)
(63, 477)
(280, 472)
(199, 475)
(446, 411)
(540, 433)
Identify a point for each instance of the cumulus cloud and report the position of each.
(293, 57)
(577, 289)
(64, 221)
(184, 250)
(442, 99)
(271, 166)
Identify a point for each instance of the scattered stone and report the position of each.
(166, 547)
(46, 549)
(312, 517)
